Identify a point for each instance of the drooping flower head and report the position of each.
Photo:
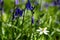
(18, 11)
(28, 5)
(32, 20)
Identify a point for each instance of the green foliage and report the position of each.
(19, 30)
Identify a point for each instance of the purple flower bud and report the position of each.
(32, 20)
(28, 5)
(16, 2)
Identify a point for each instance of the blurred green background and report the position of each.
(18, 30)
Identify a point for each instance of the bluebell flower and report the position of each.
(16, 2)
(1, 2)
(28, 5)
(54, 3)
(32, 20)
(21, 12)
(58, 2)
(18, 12)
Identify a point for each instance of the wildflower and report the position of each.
(43, 31)
(32, 20)
(2, 2)
(54, 3)
(16, 2)
(58, 2)
(28, 5)
(18, 11)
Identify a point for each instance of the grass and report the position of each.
(23, 30)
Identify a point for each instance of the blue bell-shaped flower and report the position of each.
(28, 5)
(18, 12)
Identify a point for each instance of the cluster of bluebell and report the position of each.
(18, 11)
(28, 6)
(55, 3)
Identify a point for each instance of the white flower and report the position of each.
(43, 31)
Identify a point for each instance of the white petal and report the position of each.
(46, 32)
(38, 30)
(41, 33)
(45, 28)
